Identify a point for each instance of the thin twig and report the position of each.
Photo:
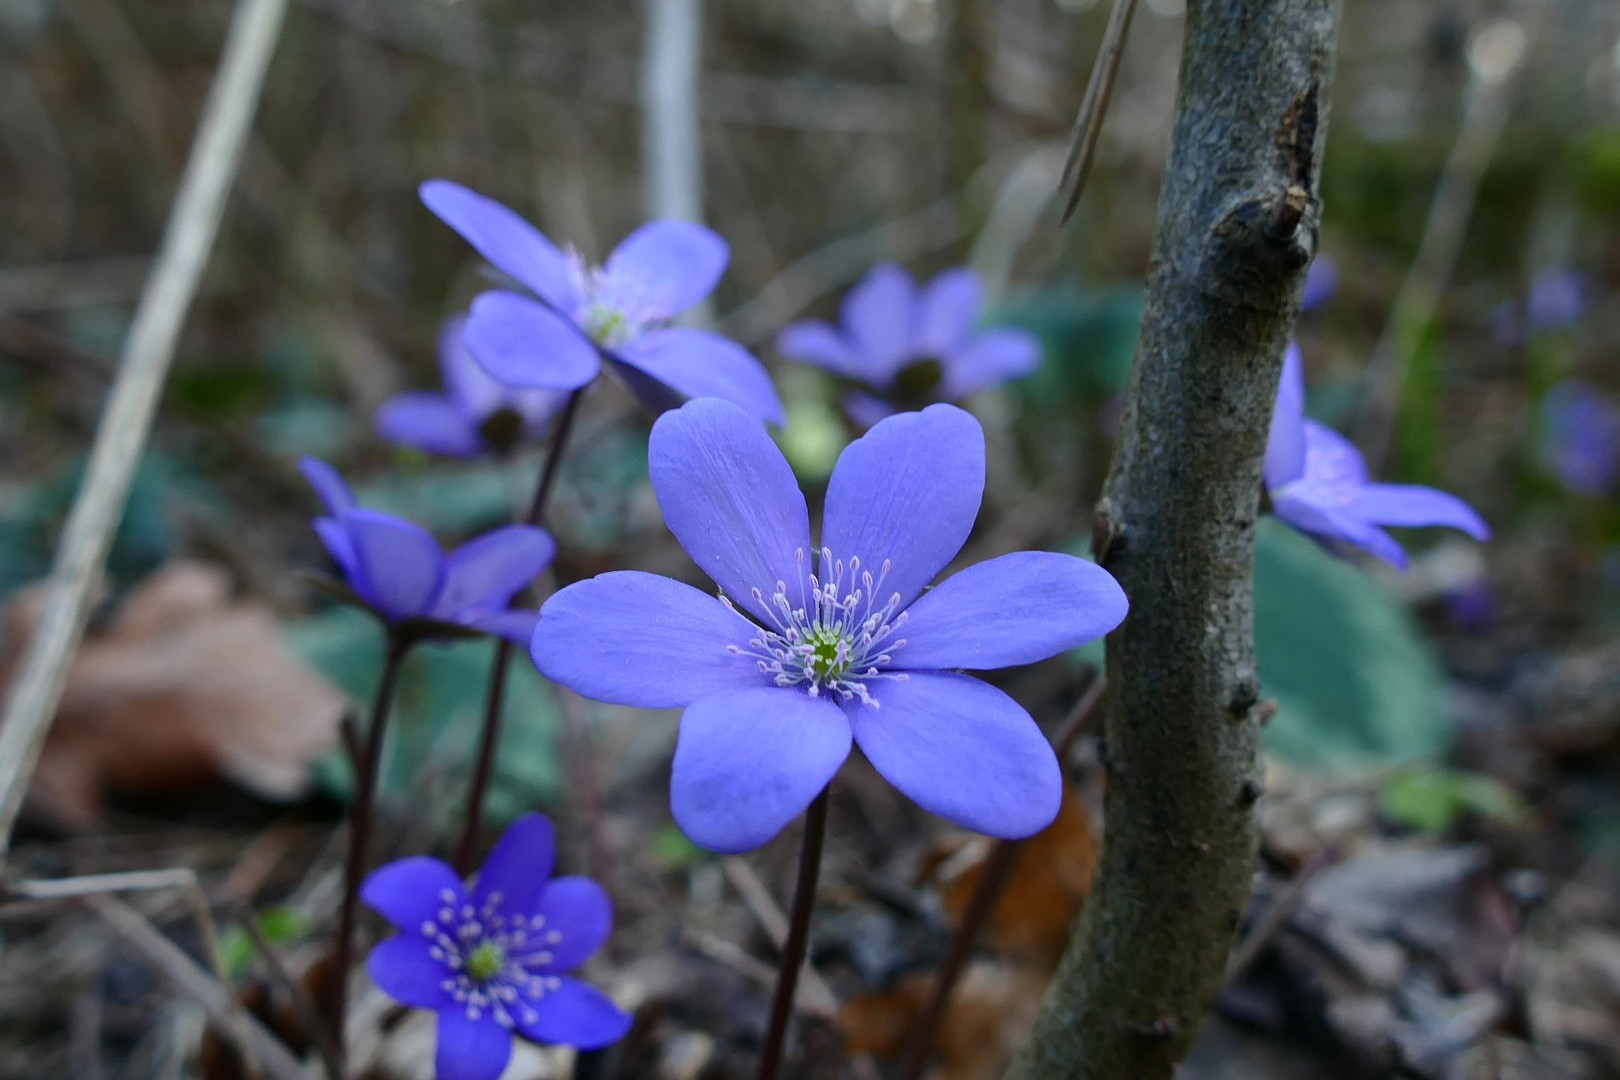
(798, 937)
(994, 871)
(250, 1037)
(193, 224)
(772, 919)
(1276, 917)
(325, 1042)
(1093, 107)
(813, 1000)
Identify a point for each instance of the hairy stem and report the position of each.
(1237, 225)
(798, 937)
(495, 700)
(361, 813)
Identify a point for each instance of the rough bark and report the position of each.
(1237, 226)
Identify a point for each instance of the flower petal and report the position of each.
(994, 357)
(403, 968)
(411, 891)
(465, 379)
(526, 345)
(574, 1014)
(505, 238)
(1332, 526)
(471, 1049)
(865, 410)
(513, 624)
(819, 343)
(698, 363)
(878, 315)
(580, 911)
(1285, 446)
(401, 566)
(947, 310)
(432, 423)
(730, 498)
(1016, 609)
(748, 761)
(665, 267)
(329, 486)
(338, 545)
(1410, 504)
(631, 638)
(961, 749)
(907, 493)
(518, 866)
(490, 570)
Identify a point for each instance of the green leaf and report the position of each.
(1355, 681)
(670, 849)
(1088, 337)
(1432, 800)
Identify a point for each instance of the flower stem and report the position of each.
(993, 874)
(361, 812)
(798, 936)
(495, 700)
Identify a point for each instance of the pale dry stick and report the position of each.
(671, 134)
(814, 1000)
(772, 919)
(1093, 107)
(245, 1032)
(149, 348)
(1494, 52)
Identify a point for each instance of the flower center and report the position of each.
(836, 638)
(493, 962)
(613, 309)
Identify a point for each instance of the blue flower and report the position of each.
(575, 315)
(474, 416)
(1317, 481)
(810, 649)
(1321, 282)
(401, 573)
(1580, 437)
(911, 346)
(494, 963)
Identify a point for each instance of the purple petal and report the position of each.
(906, 493)
(698, 364)
(338, 545)
(1338, 529)
(1330, 458)
(525, 345)
(1409, 504)
(630, 638)
(1016, 609)
(465, 379)
(518, 866)
(748, 761)
(432, 423)
(947, 310)
(818, 343)
(329, 486)
(867, 411)
(878, 315)
(580, 912)
(503, 237)
(1285, 446)
(574, 1014)
(513, 624)
(471, 1049)
(404, 969)
(411, 891)
(994, 357)
(961, 749)
(665, 267)
(489, 571)
(401, 566)
(1321, 282)
(730, 498)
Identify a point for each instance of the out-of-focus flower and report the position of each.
(908, 347)
(1318, 483)
(494, 963)
(578, 315)
(1580, 437)
(1557, 300)
(401, 573)
(1321, 282)
(801, 655)
(475, 415)
(1472, 607)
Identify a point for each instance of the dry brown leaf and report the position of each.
(182, 685)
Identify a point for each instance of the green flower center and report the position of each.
(605, 325)
(486, 961)
(830, 654)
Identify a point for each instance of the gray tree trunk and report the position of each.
(1237, 226)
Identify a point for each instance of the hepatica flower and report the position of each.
(1580, 437)
(810, 649)
(401, 573)
(575, 315)
(475, 415)
(494, 962)
(1556, 301)
(1321, 282)
(911, 346)
(1318, 483)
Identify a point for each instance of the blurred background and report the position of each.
(1442, 819)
